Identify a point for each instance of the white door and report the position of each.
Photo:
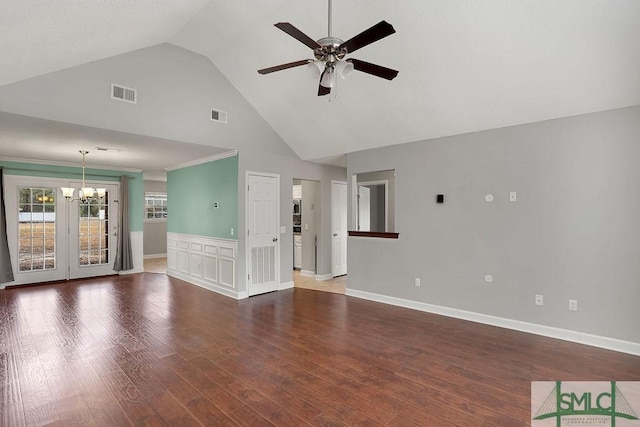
(364, 208)
(338, 228)
(263, 224)
(36, 229)
(93, 227)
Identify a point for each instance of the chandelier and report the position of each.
(85, 193)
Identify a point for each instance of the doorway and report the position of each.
(51, 239)
(306, 216)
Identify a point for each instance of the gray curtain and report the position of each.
(6, 271)
(124, 257)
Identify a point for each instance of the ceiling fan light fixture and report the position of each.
(344, 69)
(315, 68)
(329, 77)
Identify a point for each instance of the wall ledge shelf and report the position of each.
(378, 234)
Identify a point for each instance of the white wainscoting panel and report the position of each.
(204, 261)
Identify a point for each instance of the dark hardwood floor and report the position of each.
(150, 350)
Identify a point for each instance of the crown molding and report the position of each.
(213, 158)
(66, 164)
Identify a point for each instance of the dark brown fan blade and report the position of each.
(379, 31)
(285, 66)
(373, 69)
(298, 35)
(321, 89)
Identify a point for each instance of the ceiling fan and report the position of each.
(330, 53)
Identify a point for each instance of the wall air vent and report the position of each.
(218, 116)
(123, 93)
(108, 150)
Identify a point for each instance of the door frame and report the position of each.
(346, 184)
(247, 222)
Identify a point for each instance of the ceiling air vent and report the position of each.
(218, 116)
(122, 93)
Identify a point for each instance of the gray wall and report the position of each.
(573, 233)
(155, 233)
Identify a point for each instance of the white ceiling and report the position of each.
(464, 65)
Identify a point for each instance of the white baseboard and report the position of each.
(323, 277)
(285, 285)
(307, 273)
(532, 328)
(151, 256)
(217, 289)
(133, 271)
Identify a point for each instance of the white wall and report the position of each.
(574, 232)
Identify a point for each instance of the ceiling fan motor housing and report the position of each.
(329, 50)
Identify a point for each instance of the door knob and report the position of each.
(275, 239)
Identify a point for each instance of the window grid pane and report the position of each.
(37, 228)
(155, 205)
(93, 231)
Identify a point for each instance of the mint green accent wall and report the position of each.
(136, 185)
(191, 193)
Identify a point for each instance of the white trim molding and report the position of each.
(151, 256)
(285, 285)
(517, 325)
(307, 273)
(323, 277)
(208, 159)
(207, 262)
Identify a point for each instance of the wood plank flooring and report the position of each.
(148, 349)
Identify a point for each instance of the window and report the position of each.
(155, 206)
(37, 217)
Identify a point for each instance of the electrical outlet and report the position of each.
(573, 305)
(216, 205)
(232, 231)
(417, 281)
(539, 300)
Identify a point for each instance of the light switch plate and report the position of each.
(283, 229)
(513, 197)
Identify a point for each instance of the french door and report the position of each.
(52, 239)
(36, 229)
(263, 247)
(93, 228)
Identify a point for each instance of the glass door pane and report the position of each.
(93, 233)
(36, 229)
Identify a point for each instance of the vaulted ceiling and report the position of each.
(464, 65)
